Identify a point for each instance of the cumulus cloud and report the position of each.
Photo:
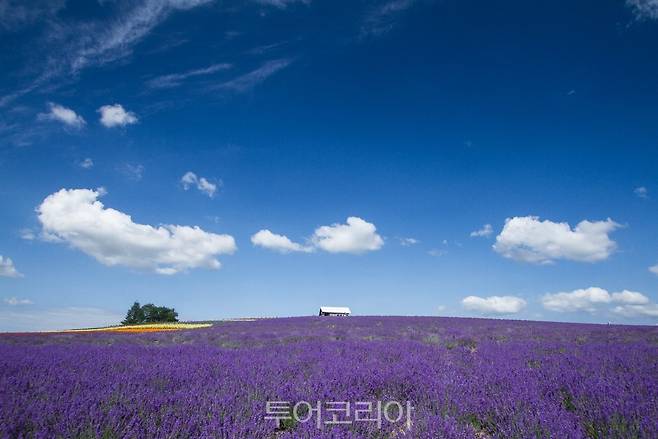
(529, 239)
(592, 299)
(585, 299)
(484, 232)
(494, 304)
(7, 268)
(64, 115)
(116, 116)
(644, 310)
(654, 269)
(630, 298)
(190, 179)
(357, 236)
(77, 217)
(280, 243)
(644, 9)
(14, 301)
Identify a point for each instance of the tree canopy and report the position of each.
(149, 313)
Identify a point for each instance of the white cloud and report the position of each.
(644, 9)
(357, 236)
(654, 269)
(281, 4)
(27, 234)
(202, 184)
(250, 80)
(7, 268)
(437, 252)
(64, 115)
(30, 319)
(14, 301)
(530, 240)
(280, 243)
(641, 192)
(75, 216)
(408, 242)
(630, 298)
(87, 163)
(133, 172)
(116, 116)
(71, 45)
(110, 43)
(591, 300)
(383, 18)
(176, 79)
(494, 304)
(14, 14)
(485, 231)
(644, 310)
(587, 299)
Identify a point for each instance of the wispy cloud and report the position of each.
(71, 46)
(134, 172)
(118, 39)
(408, 242)
(248, 81)
(14, 14)
(484, 232)
(176, 79)
(86, 163)
(281, 4)
(654, 269)
(644, 9)
(383, 17)
(641, 192)
(15, 301)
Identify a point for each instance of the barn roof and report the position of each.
(335, 309)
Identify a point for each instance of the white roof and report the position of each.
(335, 309)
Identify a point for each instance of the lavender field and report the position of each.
(464, 378)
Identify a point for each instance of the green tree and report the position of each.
(134, 316)
(149, 313)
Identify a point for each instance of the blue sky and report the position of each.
(263, 158)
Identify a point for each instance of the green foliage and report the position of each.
(149, 313)
(134, 316)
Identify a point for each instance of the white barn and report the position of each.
(334, 311)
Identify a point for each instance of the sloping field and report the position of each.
(429, 377)
(147, 327)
